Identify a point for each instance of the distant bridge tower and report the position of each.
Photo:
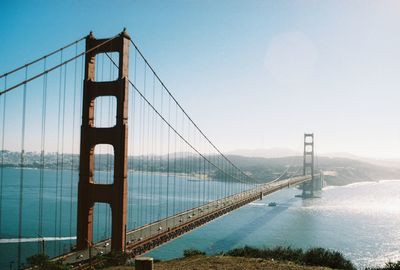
(308, 165)
(89, 192)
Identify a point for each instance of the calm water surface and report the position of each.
(360, 220)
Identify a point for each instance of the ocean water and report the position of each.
(360, 220)
(151, 197)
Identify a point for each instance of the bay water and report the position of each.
(360, 220)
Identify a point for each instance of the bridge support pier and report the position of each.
(308, 188)
(89, 192)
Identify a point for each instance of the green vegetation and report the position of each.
(388, 266)
(43, 262)
(115, 258)
(312, 257)
(192, 252)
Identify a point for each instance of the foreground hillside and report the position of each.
(254, 258)
(224, 262)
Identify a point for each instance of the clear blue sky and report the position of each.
(252, 74)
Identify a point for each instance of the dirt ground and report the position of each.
(224, 263)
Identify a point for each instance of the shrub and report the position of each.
(314, 256)
(329, 258)
(193, 252)
(388, 266)
(115, 258)
(38, 260)
(279, 253)
(392, 266)
(43, 262)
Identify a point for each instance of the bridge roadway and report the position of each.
(150, 236)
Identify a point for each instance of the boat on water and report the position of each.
(272, 204)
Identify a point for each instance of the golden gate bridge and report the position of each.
(129, 173)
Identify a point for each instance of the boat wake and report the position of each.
(35, 239)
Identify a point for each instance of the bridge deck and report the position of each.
(150, 236)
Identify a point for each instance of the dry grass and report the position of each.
(224, 263)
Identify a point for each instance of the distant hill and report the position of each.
(265, 153)
(340, 171)
(345, 167)
(376, 161)
(351, 171)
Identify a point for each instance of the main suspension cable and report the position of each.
(56, 66)
(42, 58)
(180, 135)
(178, 104)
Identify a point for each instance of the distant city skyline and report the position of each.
(251, 74)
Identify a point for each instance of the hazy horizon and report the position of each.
(275, 152)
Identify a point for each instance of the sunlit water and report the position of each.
(360, 220)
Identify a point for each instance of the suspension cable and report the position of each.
(2, 154)
(42, 58)
(57, 66)
(190, 119)
(73, 143)
(180, 135)
(21, 180)
(42, 153)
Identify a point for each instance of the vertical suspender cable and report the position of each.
(210, 181)
(197, 172)
(142, 189)
(58, 147)
(141, 159)
(226, 177)
(174, 181)
(200, 171)
(131, 155)
(190, 158)
(21, 179)
(133, 148)
(80, 100)
(204, 179)
(62, 156)
(183, 169)
(187, 172)
(73, 145)
(42, 153)
(160, 177)
(148, 169)
(153, 165)
(168, 155)
(2, 153)
(139, 140)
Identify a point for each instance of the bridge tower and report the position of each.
(308, 165)
(89, 192)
